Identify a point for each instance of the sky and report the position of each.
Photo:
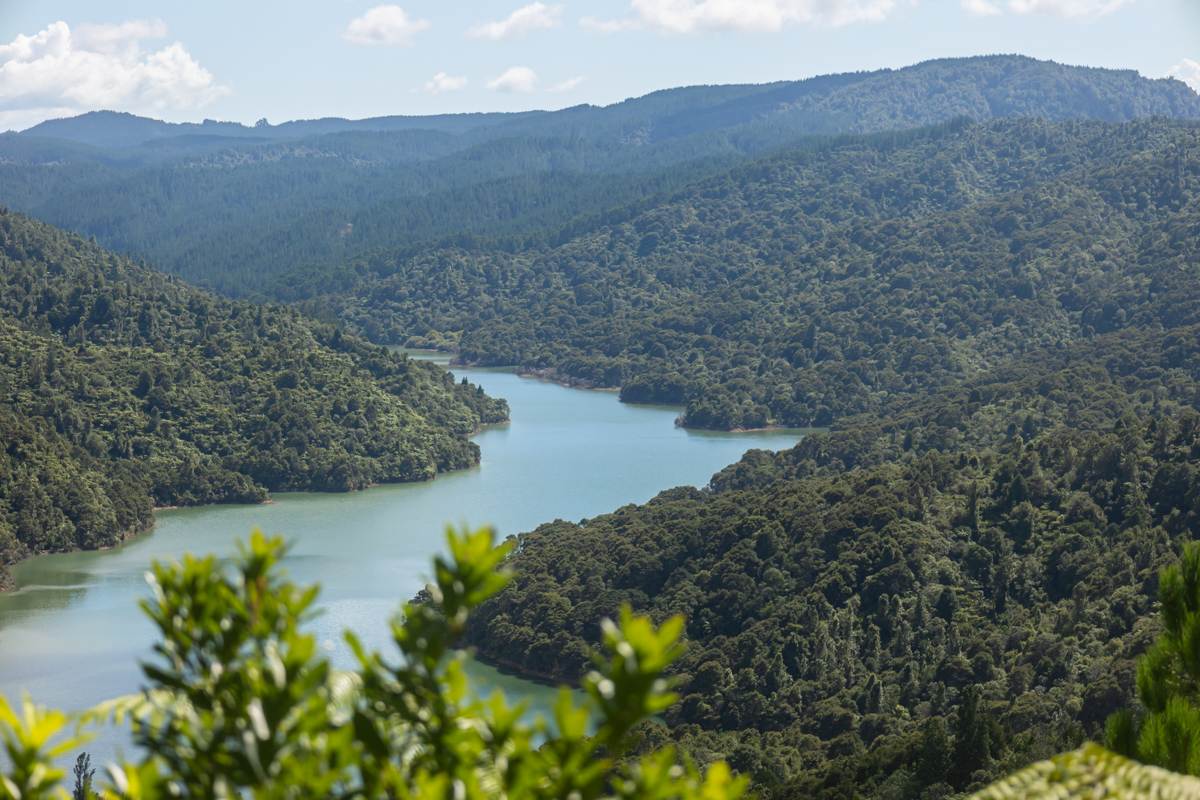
(187, 60)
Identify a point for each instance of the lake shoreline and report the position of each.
(552, 375)
(8, 582)
(546, 374)
(559, 378)
(506, 667)
(564, 454)
(760, 429)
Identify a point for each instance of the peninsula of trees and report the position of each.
(124, 389)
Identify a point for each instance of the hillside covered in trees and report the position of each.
(982, 275)
(910, 604)
(123, 388)
(830, 279)
(234, 207)
(1001, 324)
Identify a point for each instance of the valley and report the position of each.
(71, 633)
(899, 429)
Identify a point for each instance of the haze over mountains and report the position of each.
(980, 88)
(231, 207)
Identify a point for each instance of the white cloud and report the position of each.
(533, 17)
(1187, 71)
(981, 8)
(443, 82)
(688, 16)
(115, 38)
(514, 79)
(567, 85)
(1067, 8)
(57, 72)
(1060, 8)
(384, 25)
(609, 25)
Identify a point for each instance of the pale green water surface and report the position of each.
(72, 635)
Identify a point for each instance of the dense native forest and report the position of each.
(1001, 323)
(831, 279)
(908, 605)
(123, 388)
(235, 208)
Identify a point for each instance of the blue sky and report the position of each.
(245, 59)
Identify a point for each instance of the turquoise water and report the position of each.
(72, 635)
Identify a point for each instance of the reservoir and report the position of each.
(71, 634)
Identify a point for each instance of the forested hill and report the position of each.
(232, 207)
(912, 604)
(121, 388)
(833, 278)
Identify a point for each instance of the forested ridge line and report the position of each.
(122, 389)
(981, 87)
(240, 209)
(830, 279)
(905, 606)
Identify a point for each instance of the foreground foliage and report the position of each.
(241, 703)
(1090, 772)
(1164, 733)
(123, 389)
(1166, 730)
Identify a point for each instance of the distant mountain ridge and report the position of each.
(237, 208)
(122, 129)
(821, 104)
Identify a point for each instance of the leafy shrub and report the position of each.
(243, 704)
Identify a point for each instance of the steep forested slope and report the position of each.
(833, 278)
(910, 604)
(233, 207)
(1003, 323)
(121, 388)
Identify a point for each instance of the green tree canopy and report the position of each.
(1166, 732)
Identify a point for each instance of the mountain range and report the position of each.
(235, 208)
